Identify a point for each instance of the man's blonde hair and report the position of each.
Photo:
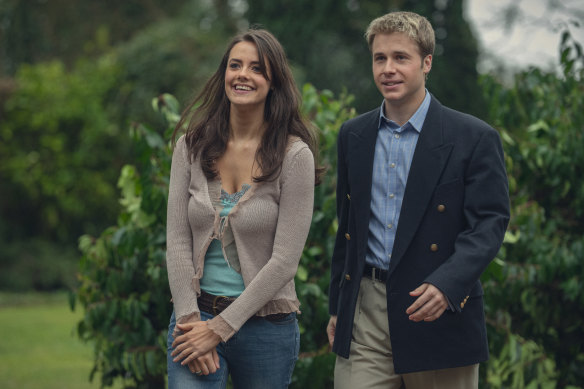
(415, 26)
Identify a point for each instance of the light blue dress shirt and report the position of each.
(394, 150)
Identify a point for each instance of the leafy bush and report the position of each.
(123, 280)
(315, 367)
(539, 294)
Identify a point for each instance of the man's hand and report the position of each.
(330, 329)
(430, 304)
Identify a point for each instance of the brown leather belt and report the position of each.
(216, 304)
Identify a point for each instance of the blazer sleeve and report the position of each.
(343, 202)
(486, 210)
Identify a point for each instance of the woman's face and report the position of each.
(245, 84)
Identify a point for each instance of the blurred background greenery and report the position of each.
(86, 106)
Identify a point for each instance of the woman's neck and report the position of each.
(245, 124)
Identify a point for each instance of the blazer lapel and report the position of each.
(429, 160)
(360, 164)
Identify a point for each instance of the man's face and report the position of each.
(399, 70)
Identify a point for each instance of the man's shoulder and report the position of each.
(454, 117)
(359, 121)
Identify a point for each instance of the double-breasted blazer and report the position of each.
(453, 219)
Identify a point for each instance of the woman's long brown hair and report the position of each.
(207, 116)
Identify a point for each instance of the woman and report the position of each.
(239, 210)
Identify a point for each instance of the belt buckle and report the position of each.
(373, 270)
(215, 307)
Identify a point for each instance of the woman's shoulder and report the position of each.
(295, 145)
(297, 153)
(184, 146)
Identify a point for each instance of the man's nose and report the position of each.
(389, 66)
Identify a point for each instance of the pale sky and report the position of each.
(533, 39)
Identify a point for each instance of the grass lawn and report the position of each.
(38, 346)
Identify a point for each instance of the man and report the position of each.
(422, 203)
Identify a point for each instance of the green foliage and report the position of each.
(37, 264)
(172, 56)
(517, 363)
(55, 140)
(312, 279)
(123, 280)
(541, 120)
(39, 31)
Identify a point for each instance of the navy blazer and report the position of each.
(452, 223)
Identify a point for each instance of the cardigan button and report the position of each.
(441, 208)
(434, 247)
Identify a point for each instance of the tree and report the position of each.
(41, 31)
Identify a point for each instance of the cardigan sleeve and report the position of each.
(179, 238)
(294, 219)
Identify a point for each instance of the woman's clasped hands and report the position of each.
(196, 347)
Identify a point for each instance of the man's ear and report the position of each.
(427, 64)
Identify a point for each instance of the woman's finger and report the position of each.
(178, 349)
(186, 326)
(194, 367)
(178, 340)
(185, 356)
(215, 357)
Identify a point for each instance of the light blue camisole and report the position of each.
(219, 278)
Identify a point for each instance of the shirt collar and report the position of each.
(417, 119)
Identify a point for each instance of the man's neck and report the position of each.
(401, 112)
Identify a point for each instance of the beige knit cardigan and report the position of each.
(269, 223)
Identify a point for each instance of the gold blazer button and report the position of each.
(349, 196)
(441, 208)
(347, 277)
(348, 236)
(434, 247)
